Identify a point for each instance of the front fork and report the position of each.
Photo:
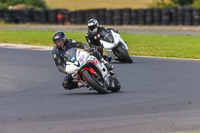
(124, 43)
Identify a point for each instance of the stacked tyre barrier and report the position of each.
(127, 16)
(174, 16)
(117, 17)
(108, 17)
(141, 16)
(101, 16)
(180, 16)
(1, 14)
(188, 16)
(134, 17)
(40, 16)
(196, 17)
(149, 17)
(166, 16)
(157, 14)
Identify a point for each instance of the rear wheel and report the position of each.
(99, 87)
(124, 55)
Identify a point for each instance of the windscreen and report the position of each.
(70, 55)
(107, 36)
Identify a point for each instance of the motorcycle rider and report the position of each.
(62, 44)
(93, 36)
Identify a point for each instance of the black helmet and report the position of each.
(93, 25)
(59, 39)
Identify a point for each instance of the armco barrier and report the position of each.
(127, 16)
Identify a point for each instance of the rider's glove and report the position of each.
(98, 48)
(90, 50)
(87, 49)
(116, 31)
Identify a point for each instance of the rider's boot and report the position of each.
(107, 58)
(101, 59)
(108, 66)
(112, 73)
(71, 85)
(79, 85)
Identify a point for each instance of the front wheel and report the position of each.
(93, 82)
(124, 55)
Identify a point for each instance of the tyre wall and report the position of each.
(127, 16)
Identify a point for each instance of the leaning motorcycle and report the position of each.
(88, 70)
(115, 46)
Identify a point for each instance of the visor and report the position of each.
(93, 27)
(59, 42)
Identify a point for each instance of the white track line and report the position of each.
(171, 58)
(26, 47)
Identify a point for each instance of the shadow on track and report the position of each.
(88, 93)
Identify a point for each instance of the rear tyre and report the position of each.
(91, 81)
(124, 54)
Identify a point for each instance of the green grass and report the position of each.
(181, 46)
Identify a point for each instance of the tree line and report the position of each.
(175, 3)
(36, 4)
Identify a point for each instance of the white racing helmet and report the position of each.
(93, 25)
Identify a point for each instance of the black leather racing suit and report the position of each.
(58, 54)
(94, 39)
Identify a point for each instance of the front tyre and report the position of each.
(124, 55)
(91, 81)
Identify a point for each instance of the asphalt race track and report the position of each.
(158, 95)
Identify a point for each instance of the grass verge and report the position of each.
(180, 46)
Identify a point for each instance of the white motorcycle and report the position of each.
(88, 70)
(115, 46)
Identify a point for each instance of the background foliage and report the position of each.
(175, 3)
(31, 3)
